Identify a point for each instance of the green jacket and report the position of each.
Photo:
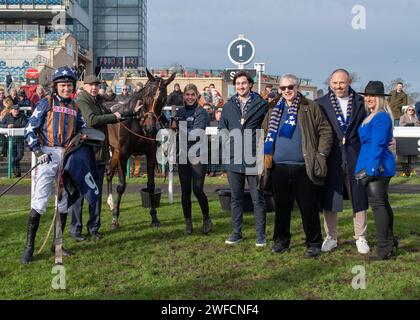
(396, 102)
(98, 118)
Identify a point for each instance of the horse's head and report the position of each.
(153, 97)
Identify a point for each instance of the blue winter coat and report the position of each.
(342, 156)
(375, 156)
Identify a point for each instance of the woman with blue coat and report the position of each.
(376, 165)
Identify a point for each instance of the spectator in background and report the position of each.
(417, 106)
(14, 95)
(15, 119)
(103, 85)
(176, 97)
(98, 70)
(24, 102)
(74, 68)
(7, 107)
(216, 96)
(273, 95)
(39, 95)
(209, 111)
(409, 119)
(139, 87)
(398, 98)
(207, 96)
(2, 98)
(266, 92)
(8, 104)
(9, 82)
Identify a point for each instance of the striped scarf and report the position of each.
(339, 112)
(289, 126)
(247, 104)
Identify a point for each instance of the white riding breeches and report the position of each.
(45, 176)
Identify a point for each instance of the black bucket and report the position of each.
(225, 196)
(146, 201)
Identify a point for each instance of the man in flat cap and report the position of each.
(97, 117)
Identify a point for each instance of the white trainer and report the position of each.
(329, 244)
(362, 245)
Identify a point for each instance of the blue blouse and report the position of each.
(375, 156)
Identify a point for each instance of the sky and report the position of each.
(309, 38)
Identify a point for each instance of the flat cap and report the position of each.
(91, 79)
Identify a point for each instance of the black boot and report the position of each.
(207, 224)
(65, 252)
(33, 224)
(188, 227)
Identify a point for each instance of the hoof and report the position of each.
(155, 224)
(115, 224)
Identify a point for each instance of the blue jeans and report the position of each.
(237, 185)
(76, 210)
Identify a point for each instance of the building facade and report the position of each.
(120, 33)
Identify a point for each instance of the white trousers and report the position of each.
(45, 176)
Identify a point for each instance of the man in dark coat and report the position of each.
(345, 111)
(242, 114)
(96, 117)
(14, 120)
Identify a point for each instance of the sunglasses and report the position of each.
(411, 110)
(291, 87)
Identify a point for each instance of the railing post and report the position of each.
(10, 158)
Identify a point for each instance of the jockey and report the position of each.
(54, 122)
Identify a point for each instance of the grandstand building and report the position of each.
(46, 34)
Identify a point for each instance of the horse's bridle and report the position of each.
(147, 115)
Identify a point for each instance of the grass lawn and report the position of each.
(140, 262)
(219, 180)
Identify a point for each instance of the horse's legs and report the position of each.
(109, 176)
(122, 171)
(151, 165)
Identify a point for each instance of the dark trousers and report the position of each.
(94, 222)
(192, 179)
(290, 183)
(237, 186)
(17, 157)
(377, 191)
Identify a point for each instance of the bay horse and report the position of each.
(134, 137)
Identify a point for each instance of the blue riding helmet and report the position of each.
(64, 74)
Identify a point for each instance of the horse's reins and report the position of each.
(153, 111)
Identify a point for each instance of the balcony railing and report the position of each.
(33, 3)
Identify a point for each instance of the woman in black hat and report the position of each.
(376, 165)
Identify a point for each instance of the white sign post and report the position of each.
(260, 67)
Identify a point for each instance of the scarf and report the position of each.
(339, 112)
(289, 126)
(247, 105)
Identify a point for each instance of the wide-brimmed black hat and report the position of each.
(375, 88)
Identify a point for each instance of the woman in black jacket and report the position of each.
(192, 173)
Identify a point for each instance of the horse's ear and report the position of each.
(150, 76)
(171, 78)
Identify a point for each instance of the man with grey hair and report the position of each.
(298, 142)
(345, 111)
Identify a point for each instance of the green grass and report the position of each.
(219, 180)
(140, 262)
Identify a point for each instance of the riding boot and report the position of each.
(207, 224)
(188, 227)
(63, 217)
(33, 224)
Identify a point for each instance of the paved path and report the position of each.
(210, 189)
